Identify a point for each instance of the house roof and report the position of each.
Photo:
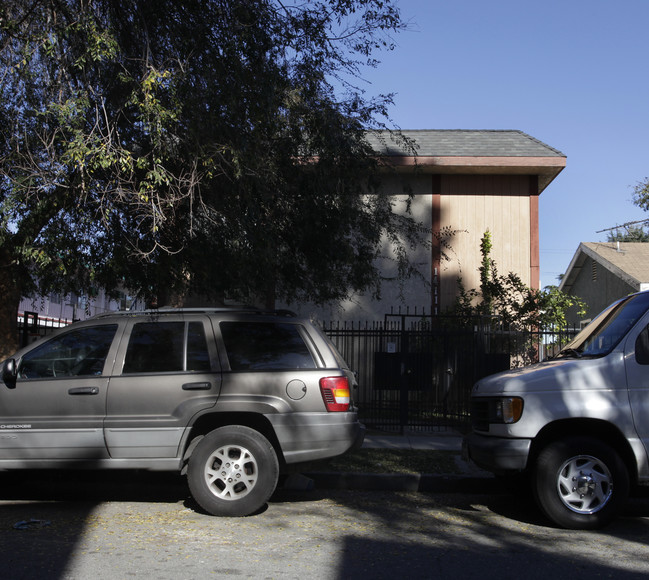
(464, 143)
(470, 151)
(629, 261)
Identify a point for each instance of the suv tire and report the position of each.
(580, 483)
(233, 471)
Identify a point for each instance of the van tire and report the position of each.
(233, 471)
(580, 483)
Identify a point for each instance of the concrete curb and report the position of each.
(396, 482)
(469, 479)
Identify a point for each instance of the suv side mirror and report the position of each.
(9, 373)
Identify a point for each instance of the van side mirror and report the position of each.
(9, 373)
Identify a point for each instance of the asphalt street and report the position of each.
(76, 526)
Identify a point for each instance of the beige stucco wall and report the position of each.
(506, 216)
(415, 293)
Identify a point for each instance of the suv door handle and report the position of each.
(84, 391)
(206, 386)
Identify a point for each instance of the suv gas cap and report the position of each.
(296, 389)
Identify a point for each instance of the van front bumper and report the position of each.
(497, 454)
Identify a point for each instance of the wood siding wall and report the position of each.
(473, 204)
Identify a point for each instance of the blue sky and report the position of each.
(571, 73)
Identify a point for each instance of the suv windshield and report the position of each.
(603, 334)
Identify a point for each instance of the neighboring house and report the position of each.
(467, 182)
(602, 272)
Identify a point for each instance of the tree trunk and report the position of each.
(11, 295)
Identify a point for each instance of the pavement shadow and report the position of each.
(484, 536)
(90, 485)
(39, 538)
(521, 506)
(44, 513)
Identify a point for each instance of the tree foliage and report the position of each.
(628, 233)
(512, 303)
(212, 147)
(641, 194)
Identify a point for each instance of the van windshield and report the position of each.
(603, 334)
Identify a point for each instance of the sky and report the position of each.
(571, 73)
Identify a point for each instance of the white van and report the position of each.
(578, 424)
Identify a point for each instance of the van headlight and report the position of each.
(487, 411)
(507, 410)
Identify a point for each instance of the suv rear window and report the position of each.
(265, 346)
(157, 347)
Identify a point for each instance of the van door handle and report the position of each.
(197, 386)
(84, 391)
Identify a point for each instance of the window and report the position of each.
(80, 352)
(265, 345)
(158, 347)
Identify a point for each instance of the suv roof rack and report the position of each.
(200, 310)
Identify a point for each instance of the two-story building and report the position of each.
(464, 182)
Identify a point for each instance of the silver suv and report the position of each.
(230, 398)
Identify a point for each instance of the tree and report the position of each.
(510, 301)
(630, 233)
(641, 194)
(210, 147)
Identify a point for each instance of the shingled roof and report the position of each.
(629, 261)
(470, 151)
(464, 143)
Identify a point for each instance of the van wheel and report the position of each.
(580, 483)
(233, 471)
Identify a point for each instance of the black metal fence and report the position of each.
(32, 326)
(416, 374)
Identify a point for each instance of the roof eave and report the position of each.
(573, 269)
(578, 260)
(547, 168)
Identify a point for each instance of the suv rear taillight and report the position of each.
(335, 392)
